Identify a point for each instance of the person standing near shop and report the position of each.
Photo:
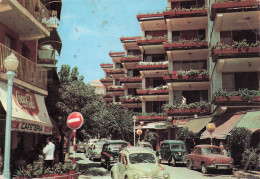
(48, 152)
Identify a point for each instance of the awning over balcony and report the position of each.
(196, 125)
(29, 113)
(251, 121)
(53, 5)
(224, 124)
(53, 40)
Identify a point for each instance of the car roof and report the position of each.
(206, 145)
(173, 141)
(115, 141)
(136, 150)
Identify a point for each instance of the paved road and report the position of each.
(93, 170)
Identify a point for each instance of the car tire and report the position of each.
(189, 165)
(173, 162)
(204, 169)
(108, 166)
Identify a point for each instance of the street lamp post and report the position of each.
(11, 64)
(134, 120)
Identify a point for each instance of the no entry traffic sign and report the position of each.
(75, 120)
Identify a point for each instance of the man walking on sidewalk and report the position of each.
(48, 152)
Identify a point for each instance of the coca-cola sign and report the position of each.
(26, 101)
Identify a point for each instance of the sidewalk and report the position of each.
(247, 175)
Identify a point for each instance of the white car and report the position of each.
(136, 163)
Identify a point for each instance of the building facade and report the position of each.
(28, 29)
(185, 59)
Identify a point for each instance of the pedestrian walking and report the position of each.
(48, 152)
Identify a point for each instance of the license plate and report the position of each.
(222, 167)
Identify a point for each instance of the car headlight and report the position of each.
(111, 158)
(165, 175)
(214, 161)
(135, 176)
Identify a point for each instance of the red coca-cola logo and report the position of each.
(26, 101)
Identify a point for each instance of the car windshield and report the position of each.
(116, 147)
(142, 158)
(211, 150)
(178, 146)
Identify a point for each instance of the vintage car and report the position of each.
(138, 162)
(89, 144)
(172, 152)
(110, 152)
(80, 147)
(206, 157)
(95, 151)
(144, 144)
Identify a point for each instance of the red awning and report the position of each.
(224, 125)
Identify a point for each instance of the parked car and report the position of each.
(81, 147)
(136, 162)
(144, 144)
(89, 144)
(95, 151)
(206, 157)
(110, 152)
(172, 152)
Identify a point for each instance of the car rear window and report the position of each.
(178, 146)
(142, 158)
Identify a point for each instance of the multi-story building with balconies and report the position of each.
(198, 50)
(28, 30)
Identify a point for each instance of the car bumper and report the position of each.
(221, 166)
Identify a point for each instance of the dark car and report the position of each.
(206, 157)
(172, 152)
(110, 150)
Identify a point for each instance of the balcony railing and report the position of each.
(27, 71)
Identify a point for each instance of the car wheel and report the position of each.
(189, 164)
(173, 162)
(204, 168)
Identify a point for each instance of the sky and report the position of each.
(90, 29)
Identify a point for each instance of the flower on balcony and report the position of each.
(116, 71)
(236, 45)
(244, 94)
(186, 9)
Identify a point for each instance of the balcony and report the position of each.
(242, 98)
(199, 108)
(134, 82)
(107, 81)
(183, 12)
(236, 50)
(26, 19)
(27, 71)
(236, 15)
(233, 6)
(160, 93)
(187, 76)
(129, 43)
(147, 117)
(186, 45)
(116, 56)
(108, 97)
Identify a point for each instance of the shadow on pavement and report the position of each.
(93, 169)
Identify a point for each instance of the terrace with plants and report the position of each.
(240, 96)
(191, 75)
(186, 44)
(235, 50)
(201, 107)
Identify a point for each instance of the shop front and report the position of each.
(30, 121)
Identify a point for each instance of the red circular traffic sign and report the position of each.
(75, 120)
